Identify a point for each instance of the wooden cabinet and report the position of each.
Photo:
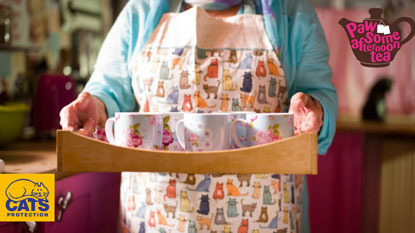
(94, 205)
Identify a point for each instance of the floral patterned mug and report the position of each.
(264, 128)
(133, 129)
(169, 139)
(205, 131)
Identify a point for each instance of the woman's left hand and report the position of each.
(308, 113)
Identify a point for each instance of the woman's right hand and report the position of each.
(83, 114)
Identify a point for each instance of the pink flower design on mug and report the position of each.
(167, 137)
(134, 139)
(266, 136)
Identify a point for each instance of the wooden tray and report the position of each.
(295, 155)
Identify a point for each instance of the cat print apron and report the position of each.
(197, 63)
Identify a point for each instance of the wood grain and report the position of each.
(295, 155)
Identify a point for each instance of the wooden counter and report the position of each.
(31, 157)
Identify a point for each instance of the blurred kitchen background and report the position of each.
(366, 183)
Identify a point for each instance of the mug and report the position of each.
(205, 131)
(240, 128)
(264, 128)
(133, 129)
(169, 138)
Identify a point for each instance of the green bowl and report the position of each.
(12, 116)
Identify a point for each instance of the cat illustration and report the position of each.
(203, 186)
(141, 211)
(220, 217)
(200, 102)
(182, 222)
(155, 65)
(162, 220)
(218, 194)
(233, 190)
(261, 176)
(233, 58)
(272, 87)
(142, 227)
(267, 196)
(162, 230)
(201, 53)
(160, 89)
(171, 190)
(225, 103)
(184, 80)
(170, 209)
(292, 194)
(147, 54)
(235, 105)
(204, 205)
(263, 216)
(192, 227)
(204, 221)
(243, 228)
(164, 70)
(257, 190)
(281, 90)
(257, 110)
(232, 210)
(227, 83)
(148, 197)
(177, 61)
(212, 69)
(185, 202)
(285, 191)
(211, 89)
(267, 109)
(273, 224)
(178, 51)
(152, 219)
(262, 96)
(285, 218)
(226, 230)
(173, 97)
(247, 208)
(174, 109)
(260, 69)
(198, 72)
(247, 82)
(291, 221)
(244, 177)
(23, 189)
(187, 104)
(273, 70)
(276, 185)
(131, 203)
(147, 83)
(246, 62)
(248, 99)
(190, 179)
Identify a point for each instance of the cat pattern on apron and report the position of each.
(197, 63)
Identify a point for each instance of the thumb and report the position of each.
(298, 101)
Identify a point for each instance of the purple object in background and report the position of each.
(53, 92)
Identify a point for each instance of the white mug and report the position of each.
(264, 128)
(133, 129)
(205, 131)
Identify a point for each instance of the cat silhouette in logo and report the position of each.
(23, 189)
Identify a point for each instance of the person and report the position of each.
(204, 56)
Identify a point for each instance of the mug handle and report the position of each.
(235, 135)
(180, 133)
(109, 130)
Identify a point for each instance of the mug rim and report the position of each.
(137, 113)
(272, 113)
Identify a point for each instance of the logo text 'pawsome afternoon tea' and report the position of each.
(27, 197)
(374, 42)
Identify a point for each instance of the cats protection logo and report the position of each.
(27, 197)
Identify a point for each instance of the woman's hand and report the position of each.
(308, 113)
(83, 114)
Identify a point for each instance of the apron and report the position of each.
(197, 63)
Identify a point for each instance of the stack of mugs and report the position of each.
(197, 132)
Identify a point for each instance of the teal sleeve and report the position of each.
(305, 55)
(111, 79)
